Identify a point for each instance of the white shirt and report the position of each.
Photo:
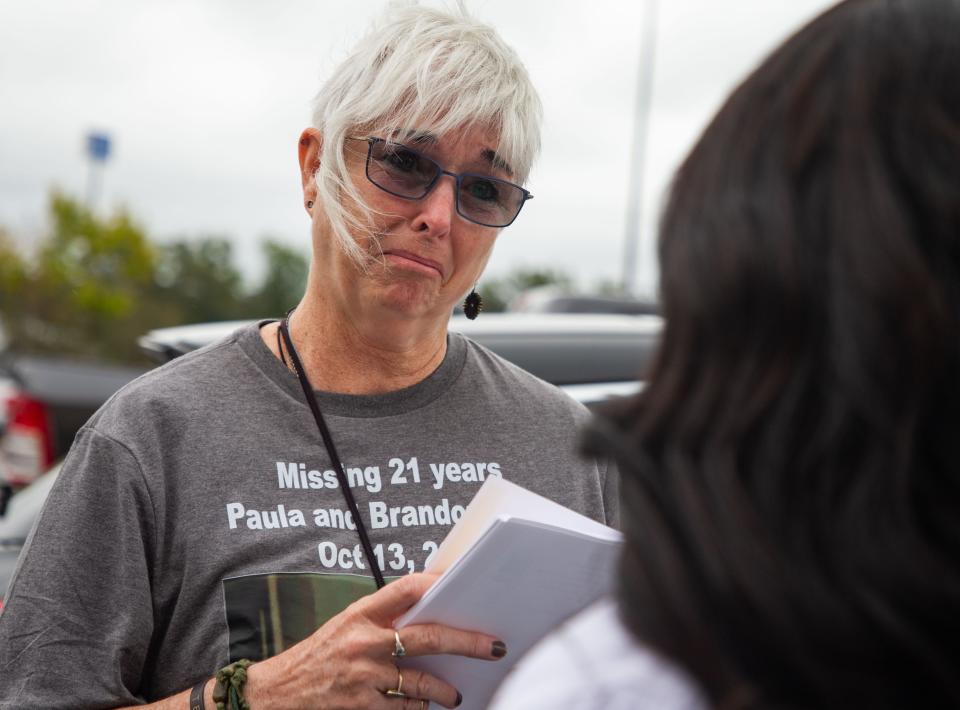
(592, 662)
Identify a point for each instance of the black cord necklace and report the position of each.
(284, 331)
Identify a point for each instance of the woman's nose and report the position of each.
(437, 208)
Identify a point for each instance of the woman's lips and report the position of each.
(414, 262)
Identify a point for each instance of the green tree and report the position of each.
(12, 272)
(284, 283)
(81, 292)
(95, 284)
(200, 281)
(12, 279)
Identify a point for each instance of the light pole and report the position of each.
(641, 123)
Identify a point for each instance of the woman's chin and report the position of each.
(414, 300)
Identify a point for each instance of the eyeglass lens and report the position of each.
(407, 173)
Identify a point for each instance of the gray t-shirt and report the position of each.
(197, 518)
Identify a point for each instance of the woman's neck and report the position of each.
(357, 356)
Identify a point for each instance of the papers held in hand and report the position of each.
(515, 566)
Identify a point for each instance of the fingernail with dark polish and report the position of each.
(499, 649)
(459, 700)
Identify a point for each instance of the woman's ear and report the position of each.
(308, 151)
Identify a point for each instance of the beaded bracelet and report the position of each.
(228, 691)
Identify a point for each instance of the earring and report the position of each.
(309, 204)
(472, 305)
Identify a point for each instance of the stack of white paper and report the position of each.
(515, 566)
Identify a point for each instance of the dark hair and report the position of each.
(791, 474)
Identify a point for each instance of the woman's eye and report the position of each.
(484, 190)
(400, 159)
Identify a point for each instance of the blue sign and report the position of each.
(98, 146)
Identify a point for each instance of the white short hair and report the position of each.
(425, 70)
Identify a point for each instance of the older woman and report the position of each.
(231, 506)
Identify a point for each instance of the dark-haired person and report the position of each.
(201, 519)
(791, 475)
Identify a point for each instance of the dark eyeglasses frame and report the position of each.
(457, 177)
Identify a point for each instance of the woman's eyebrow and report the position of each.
(419, 138)
(496, 161)
(490, 156)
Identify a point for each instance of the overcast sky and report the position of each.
(205, 100)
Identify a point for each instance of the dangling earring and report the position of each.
(473, 304)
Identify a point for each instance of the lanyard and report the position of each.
(331, 450)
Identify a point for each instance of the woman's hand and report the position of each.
(348, 662)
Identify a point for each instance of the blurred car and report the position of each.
(43, 403)
(596, 304)
(589, 356)
(7, 389)
(551, 299)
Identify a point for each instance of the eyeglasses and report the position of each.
(407, 173)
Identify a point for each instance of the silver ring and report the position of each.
(398, 651)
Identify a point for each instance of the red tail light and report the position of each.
(26, 449)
